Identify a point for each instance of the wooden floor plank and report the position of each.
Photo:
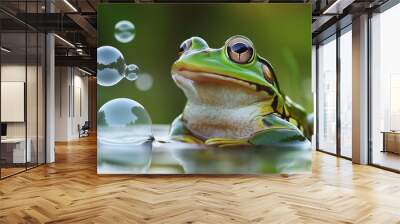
(70, 191)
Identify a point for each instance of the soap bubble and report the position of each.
(124, 31)
(131, 72)
(110, 66)
(129, 118)
(144, 82)
(124, 137)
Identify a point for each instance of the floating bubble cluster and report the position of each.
(111, 67)
(124, 127)
(124, 137)
(124, 31)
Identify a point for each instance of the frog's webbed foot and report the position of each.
(278, 132)
(277, 136)
(225, 142)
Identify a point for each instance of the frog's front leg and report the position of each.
(179, 132)
(278, 131)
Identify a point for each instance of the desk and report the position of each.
(391, 141)
(16, 147)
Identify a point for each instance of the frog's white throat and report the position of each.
(220, 106)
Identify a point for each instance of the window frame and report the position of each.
(337, 35)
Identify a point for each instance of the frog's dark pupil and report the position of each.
(240, 48)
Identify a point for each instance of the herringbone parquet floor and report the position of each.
(70, 191)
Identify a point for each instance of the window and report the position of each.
(22, 77)
(327, 95)
(345, 43)
(335, 108)
(385, 89)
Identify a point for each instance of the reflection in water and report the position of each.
(176, 158)
(123, 158)
(254, 160)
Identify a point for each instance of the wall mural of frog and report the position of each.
(204, 88)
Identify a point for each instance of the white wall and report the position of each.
(80, 110)
(61, 103)
(71, 94)
(16, 73)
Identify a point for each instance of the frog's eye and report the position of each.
(240, 50)
(185, 46)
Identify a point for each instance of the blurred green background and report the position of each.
(281, 33)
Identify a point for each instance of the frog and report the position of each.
(233, 98)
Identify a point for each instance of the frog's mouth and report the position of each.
(207, 77)
(217, 89)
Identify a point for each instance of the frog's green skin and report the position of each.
(232, 104)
